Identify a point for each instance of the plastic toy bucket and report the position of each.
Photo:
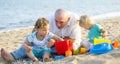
(101, 48)
(63, 46)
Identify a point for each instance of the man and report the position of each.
(63, 24)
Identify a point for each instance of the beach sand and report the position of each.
(11, 40)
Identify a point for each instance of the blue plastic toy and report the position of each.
(59, 57)
(101, 48)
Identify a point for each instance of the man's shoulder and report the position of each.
(73, 18)
(74, 15)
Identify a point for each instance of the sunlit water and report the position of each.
(15, 14)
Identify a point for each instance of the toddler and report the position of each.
(41, 40)
(95, 31)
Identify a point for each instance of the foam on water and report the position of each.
(15, 14)
(106, 16)
(96, 17)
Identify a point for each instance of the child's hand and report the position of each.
(29, 48)
(103, 35)
(51, 43)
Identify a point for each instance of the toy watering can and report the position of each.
(63, 46)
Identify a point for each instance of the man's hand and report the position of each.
(68, 38)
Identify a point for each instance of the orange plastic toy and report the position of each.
(115, 44)
(68, 53)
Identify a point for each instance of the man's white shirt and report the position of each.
(72, 29)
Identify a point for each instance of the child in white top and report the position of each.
(40, 40)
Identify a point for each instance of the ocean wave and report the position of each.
(96, 17)
(106, 16)
(15, 29)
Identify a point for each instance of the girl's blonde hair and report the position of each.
(85, 20)
(41, 23)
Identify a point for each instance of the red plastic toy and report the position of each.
(63, 46)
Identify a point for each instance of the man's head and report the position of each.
(61, 17)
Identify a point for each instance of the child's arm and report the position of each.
(57, 38)
(26, 46)
(68, 38)
(29, 52)
(52, 41)
(103, 33)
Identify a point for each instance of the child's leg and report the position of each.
(46, 57)
(6, 56)
(32, 56)
(86, 44)
(45, 53)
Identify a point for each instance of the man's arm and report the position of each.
(76, 34)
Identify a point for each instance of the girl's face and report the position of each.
(43, 31)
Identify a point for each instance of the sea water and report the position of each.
(15, 14)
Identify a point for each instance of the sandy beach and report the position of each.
(11, 40)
